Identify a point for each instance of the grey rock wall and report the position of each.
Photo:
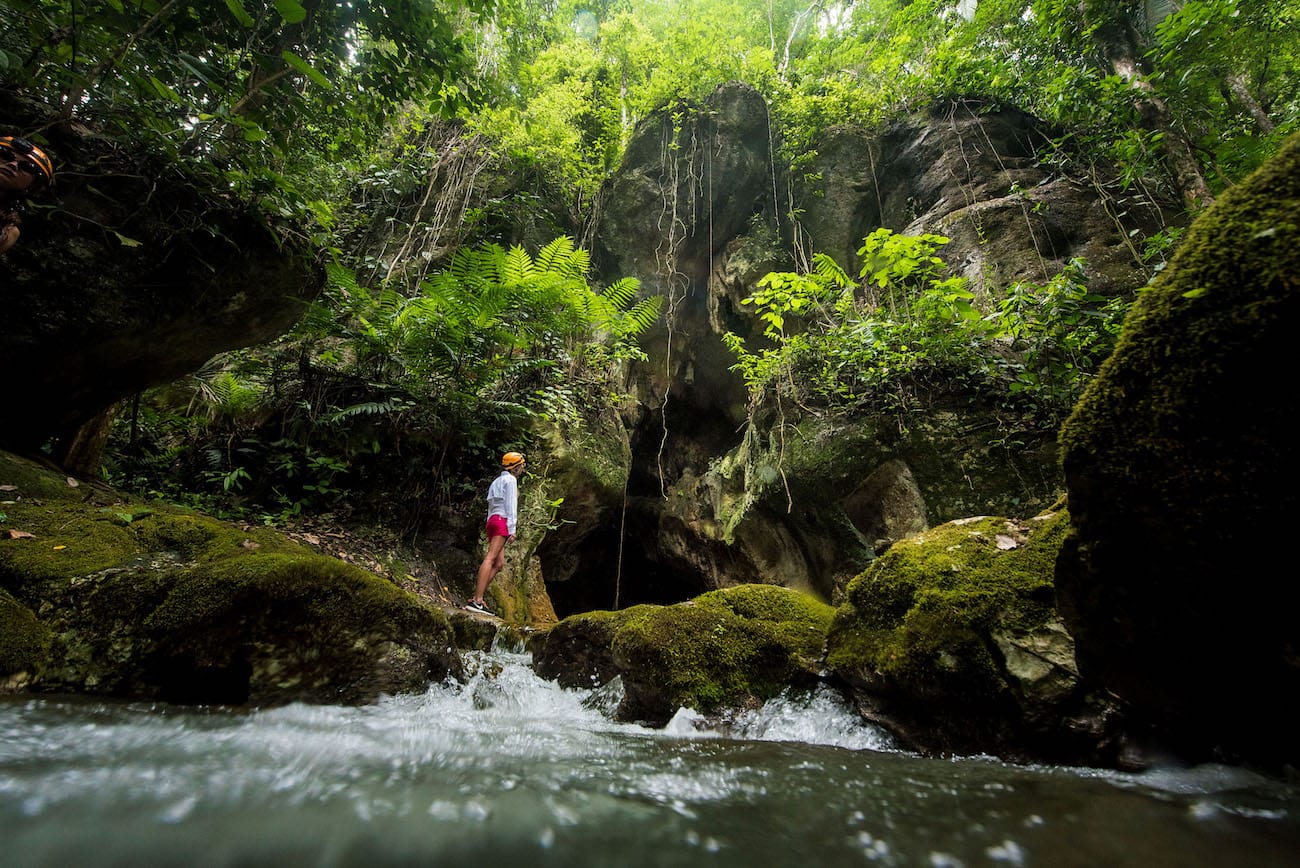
(698, 213)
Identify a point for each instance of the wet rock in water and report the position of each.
(730, 648)
(952, 643)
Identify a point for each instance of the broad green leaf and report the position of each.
(305, 68)
(194, 65)
(241, 14)
(163, 90)
(290, 10)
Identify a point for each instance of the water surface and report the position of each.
(509, 769)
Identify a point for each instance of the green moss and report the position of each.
(324, 587)
(149, 600)
(24, 640)
(1184, 380)
(67, 541)
(725, 647)
(923, 613)
(89, 531)
(199, 538)
(601, 622)
(33, 481)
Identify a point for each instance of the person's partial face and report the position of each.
(17, 171)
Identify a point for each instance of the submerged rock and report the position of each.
(102, 595)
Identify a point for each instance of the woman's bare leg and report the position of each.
(493, 561)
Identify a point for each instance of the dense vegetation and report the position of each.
(446, 160)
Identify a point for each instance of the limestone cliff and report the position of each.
(699, 212)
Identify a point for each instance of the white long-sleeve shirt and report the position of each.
(503, 499)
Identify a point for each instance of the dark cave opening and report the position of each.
(605, 578)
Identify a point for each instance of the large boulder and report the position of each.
(725, 650)
(132, 271)
(1183, 483)
(100, 594)
(951, 642)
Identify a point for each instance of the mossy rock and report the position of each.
(24, 644)
(922, 632)
(102, 594)
(1181, 470)
(27, 479)
(730, 648)
(576, 652)
(727, 649)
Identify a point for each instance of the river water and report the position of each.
(512, 770)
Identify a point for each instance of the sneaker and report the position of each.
(478, 607)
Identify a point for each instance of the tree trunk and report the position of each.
(82, 452)
(1246, 101)
(1118, 43)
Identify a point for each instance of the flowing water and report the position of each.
(508, 769)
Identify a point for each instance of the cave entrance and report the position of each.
(645, 575)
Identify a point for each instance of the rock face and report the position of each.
(952, 643)
(698, 214)
(972, 173)
(103, 596)
(130, 275)
(1183, 479)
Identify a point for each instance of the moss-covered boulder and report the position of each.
(577, 652)
(726, 649)
(1184, 484)
(25, 644)
(100, 594)
(951, 641)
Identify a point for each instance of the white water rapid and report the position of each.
(508, 769)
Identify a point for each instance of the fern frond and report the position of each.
(621, 292)
(389, 304)
(366, 408)
(516, 266)
(829, 270)
(555, 256)
(643, 314)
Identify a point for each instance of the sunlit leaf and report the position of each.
(290, 10)
(305, 68)
(241, 14)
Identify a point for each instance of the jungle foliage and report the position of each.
(863, 343)
(433, 152)
(402, 396)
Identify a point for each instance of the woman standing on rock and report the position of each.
(503, 517)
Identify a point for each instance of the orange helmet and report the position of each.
(512, 459)
(26, 150)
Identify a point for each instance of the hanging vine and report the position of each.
(666, 254)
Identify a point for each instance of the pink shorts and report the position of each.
(497, 526)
